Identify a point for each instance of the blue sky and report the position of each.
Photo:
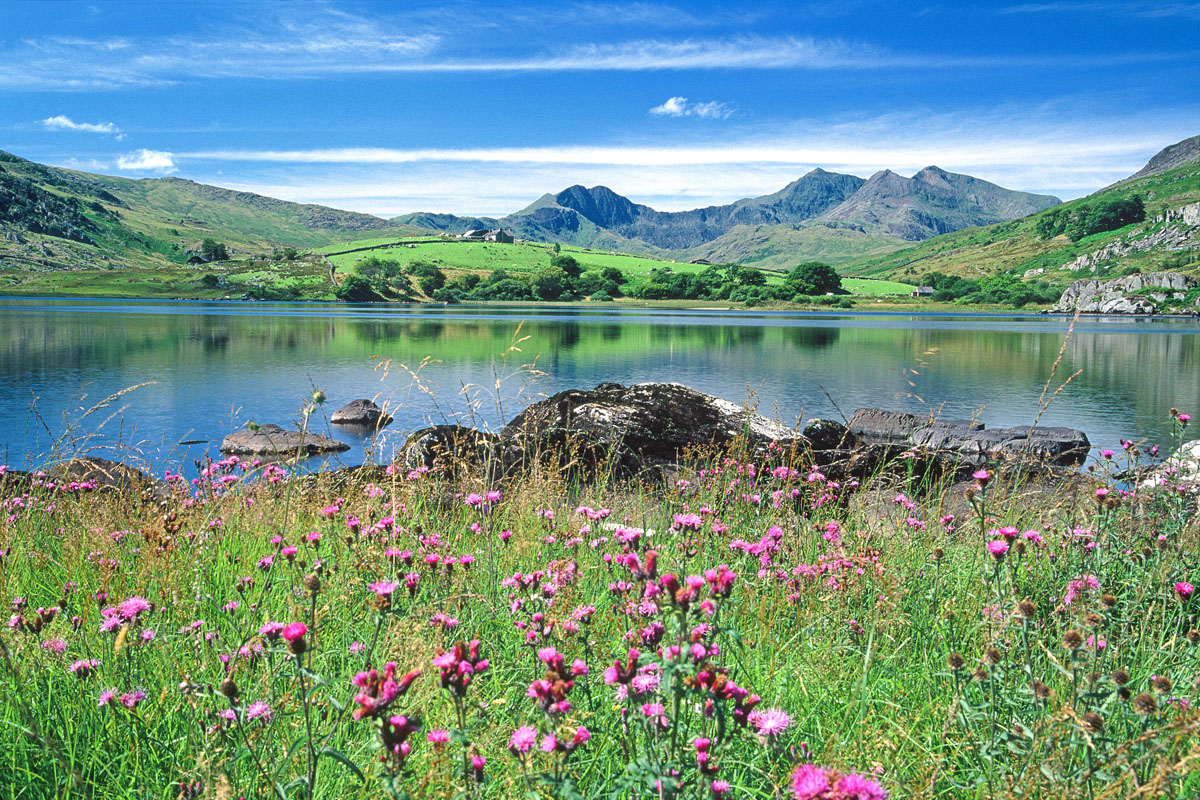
(482, 107)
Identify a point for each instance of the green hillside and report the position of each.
(58, 219)
(1022, 248)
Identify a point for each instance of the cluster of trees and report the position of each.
(562, 279)
(742, 284)
(1084, 220)
(212, 250)
(1003, 289)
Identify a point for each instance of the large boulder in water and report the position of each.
(360, 413)
(647, 425)
(272, 441)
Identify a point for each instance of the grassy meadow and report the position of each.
(752, 629)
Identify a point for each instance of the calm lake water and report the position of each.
(211, 367)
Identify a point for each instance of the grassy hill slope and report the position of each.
(1017, 247)
(53, 218)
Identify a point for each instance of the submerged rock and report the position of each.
(273, 441)
(362, 413)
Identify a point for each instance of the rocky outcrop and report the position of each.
(272, 441)
(1125, 295)
(645, 426)
(360, 413)
(1174, 229)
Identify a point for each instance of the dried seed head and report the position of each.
(312, 582)
(993, 656)
(1108, 601)
(1094, 620)
(981, 673)
(1093, 721)
(1124, 693)
(1161, 684)
(1042, 691)
(1145, 704)
(1120, 677)
(1073, 640)
(954, 661)
(1193, 636)
(229, 688)
(1026, 609)
(938, 553)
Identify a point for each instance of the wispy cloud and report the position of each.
(147, 161)
(321, 41)
(681, 107)
(1019, 150)
(1140, 9)
(62, 122)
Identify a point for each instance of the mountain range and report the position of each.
(879, 213)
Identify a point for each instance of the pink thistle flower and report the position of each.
(769, 722)
(853, 786)
(809, 782)
(83, 667)
(438, 736)
(997, 548)
(384, 588)
(56, 646)
(522, 740)
(1184, 590)
(106, 697)
(259, 711)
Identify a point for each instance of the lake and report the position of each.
(210, 367)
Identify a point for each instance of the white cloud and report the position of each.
(148, 160)
(680, 107)
(65, 123)
(674, 107)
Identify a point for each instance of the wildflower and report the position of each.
(1184, 590)
(56, 646)
(982, 477)
(83, 667)
(259, 711)
(522, 740)
(438, 737)
(131, 699)
(293, 634)
(997, 547)
(477, 765)
(769, 722)
(853, 786)
(378, 691)
(106, 697)
(809, 782)
(271, 630)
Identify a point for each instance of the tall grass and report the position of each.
(714, 637)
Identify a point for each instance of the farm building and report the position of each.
(922, 291)
(497, 235)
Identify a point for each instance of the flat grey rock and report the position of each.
(276, 442)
